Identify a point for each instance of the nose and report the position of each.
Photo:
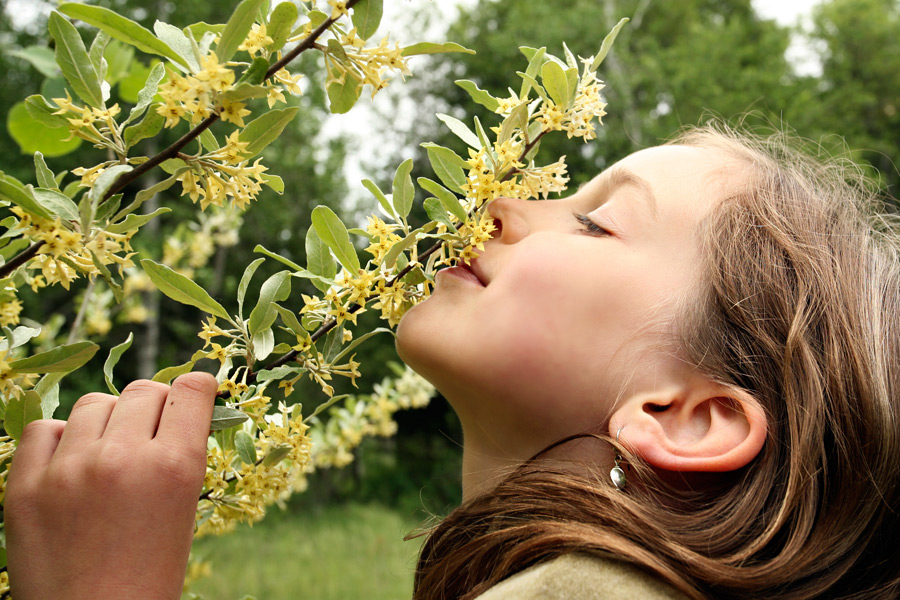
(510, 218)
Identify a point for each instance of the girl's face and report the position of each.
(561, 315)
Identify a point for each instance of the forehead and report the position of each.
(686, 175)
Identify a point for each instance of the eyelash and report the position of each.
(590, 227)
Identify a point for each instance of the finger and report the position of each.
(136, 415)
(86, 421)
(188, 411)
(36, 447)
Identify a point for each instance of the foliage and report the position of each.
(63, 232)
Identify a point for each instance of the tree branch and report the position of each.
(20, 260)
(331, 323)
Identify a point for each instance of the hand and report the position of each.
(103, 506)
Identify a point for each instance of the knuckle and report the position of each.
(182, 467)
(92, 399)
(143, 387)
(196, 382)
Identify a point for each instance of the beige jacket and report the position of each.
(582, 577)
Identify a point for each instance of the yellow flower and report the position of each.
(234, 112)
(256, 40)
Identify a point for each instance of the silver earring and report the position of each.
(617, 474)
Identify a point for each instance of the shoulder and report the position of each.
(582, 577)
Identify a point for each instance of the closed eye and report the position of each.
(590, 227)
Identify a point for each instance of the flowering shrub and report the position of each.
(64, 231)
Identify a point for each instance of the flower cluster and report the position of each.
(238, 487)
(577, 121)
(359, 417)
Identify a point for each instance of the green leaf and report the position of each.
(554, 79)
(48, 389)
(289, 318)
(208, 141)
(479, 95)
(275, 289)
(120, 28)
(379, 195)
(57, 203)
(407, 242)
(40, 57)
(536, 58)
(607, 44)
(366, 17)
(19, 336)
(515, 121)
(432, 48)
(169, 373)
(61, 359)
(39, 109)
(281, 22)
(359, 340)
(343, 93)
(403, 190)
(12, 190)
(35, 133)
(436, 212)
(263, 343)
(245, 281)
(148, 127)
(145, 96)
(225, 418)
(448, 199)
(256, 72)
(334, 233)
(275, 455)
(275, 183)
(112, 360)
(236, 29)
(181, 289)
(265, 129)
(134, 221)
(461, 130)
(45, 177)
(448, 166)
(244, 91)
(98, 47)
(175, 39)
(105, 181)
(74, 61)
(118, 292)
(246, 449)
(144, 195)
(20, 412)
(318, 259)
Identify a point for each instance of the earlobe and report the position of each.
(706, 428)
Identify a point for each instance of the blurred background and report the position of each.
(826, 70)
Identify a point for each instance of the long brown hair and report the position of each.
(799, 306)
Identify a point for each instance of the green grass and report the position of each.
(338, 553)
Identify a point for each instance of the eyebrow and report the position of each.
(619, 176)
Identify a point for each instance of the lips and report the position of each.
(464, 271)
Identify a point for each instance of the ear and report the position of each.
(701, 427)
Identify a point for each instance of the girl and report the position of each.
(714, 318)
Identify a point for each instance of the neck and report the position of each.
(483, 470)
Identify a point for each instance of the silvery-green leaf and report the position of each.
(245, 281)
(56, 203)
(432, 48)
(263, 342)
(281, 22)
(237, 28)
(319, 260)
(181, 289)
(554, 79)
(379, 195)
(436, 212)
(145, 96)
(73, 60)
(275, 289)
(175, 39)
(461, 130)
(115, 353)
(607, 44)
(447, 165)
(134, 221)
(359, 340)
(45, 177)
(403, 190)
(148, 127)
(40, 57)
(333, 232)
(265, 129)
(448, 199)
(224, 418)
(366, 17)
(20, 412)
(245, 447)
(19, 336)
(479, 95)
(12, 190)
(62, 359)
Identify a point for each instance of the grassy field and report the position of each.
(338, 553)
